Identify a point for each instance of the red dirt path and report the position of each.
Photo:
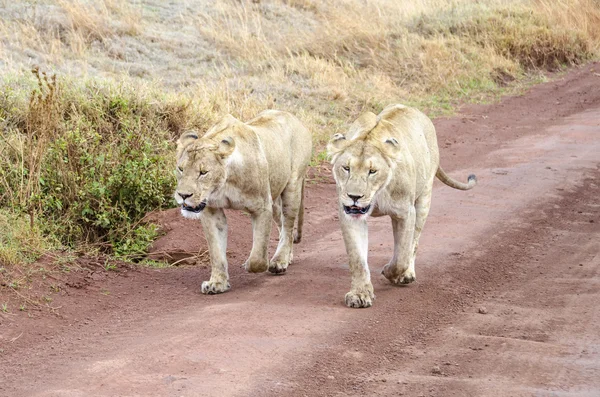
(505, 303)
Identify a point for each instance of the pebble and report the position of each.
(482, 310)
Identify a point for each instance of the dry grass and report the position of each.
(20, 247)
(326, 60)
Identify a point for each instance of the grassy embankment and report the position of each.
(85, 156)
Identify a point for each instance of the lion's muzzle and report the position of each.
(197, 209)
(356, 210)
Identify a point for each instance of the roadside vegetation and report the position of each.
(93, 94)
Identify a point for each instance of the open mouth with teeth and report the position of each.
(356, 210)
(196, 209)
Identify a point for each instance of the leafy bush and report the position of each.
(90, 161)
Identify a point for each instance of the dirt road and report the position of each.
(505, 303)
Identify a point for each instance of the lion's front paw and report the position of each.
(256, 266)
(280, 263)
(407, 277)
(278, 267)
(214, 287)
(391, 273)
(358, 299)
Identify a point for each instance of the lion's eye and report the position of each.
(346, 168)
(203, 173)
(371, 172)
(180, 169)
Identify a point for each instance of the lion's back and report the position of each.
(286, 143)
(283, 137)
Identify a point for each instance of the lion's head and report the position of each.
(201, 170)
(362, 165)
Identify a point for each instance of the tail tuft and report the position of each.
(300, 218)
(471, 181)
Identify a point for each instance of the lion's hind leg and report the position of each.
(422, 210)
(277, 216)
(291, 198)
(300, 218)
(401, 269)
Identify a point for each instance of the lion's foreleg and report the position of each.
(214, 224)
(356, 239)
(401, 269)
(261, 229)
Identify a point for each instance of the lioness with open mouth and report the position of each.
(385, 165)
(259, 167)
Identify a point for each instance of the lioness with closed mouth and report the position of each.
(385, 165)
(259, 167)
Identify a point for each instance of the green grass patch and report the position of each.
(20, 243)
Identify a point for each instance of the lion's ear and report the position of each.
(226, 122)
(226, 147)
(337, 143)
(393, 142)
(391, 146)
(184, 140)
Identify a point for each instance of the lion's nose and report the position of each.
(355, 198)
(184, 195)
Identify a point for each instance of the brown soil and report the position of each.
(505, 302)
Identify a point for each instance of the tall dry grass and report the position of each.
(341, 57)
(325, 59)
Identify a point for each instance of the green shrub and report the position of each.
(90, 161)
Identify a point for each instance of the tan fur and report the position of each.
(259, 167)
(385, 165)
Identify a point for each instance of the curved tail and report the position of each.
(298, 235)
(442, 176)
